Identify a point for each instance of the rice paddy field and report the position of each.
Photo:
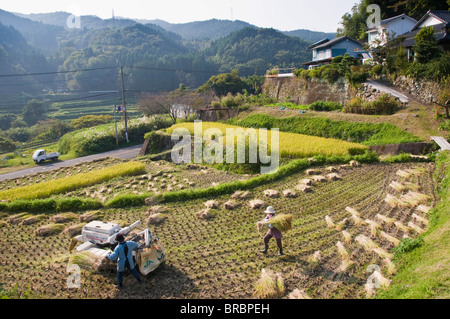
(346, 221)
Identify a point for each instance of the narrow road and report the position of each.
(387, 89)
(123, 153)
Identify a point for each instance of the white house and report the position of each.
(439, 20)
(390, 28)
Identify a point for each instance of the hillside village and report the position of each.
(360, 119)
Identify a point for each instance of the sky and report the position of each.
(284, 15)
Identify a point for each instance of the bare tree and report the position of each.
(175, 104)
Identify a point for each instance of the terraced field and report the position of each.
(344, 222)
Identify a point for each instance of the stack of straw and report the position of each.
(283, 222)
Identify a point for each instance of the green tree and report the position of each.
(6, 120)
(225, 83)
(6, 145)
(426, 47)
(33, 111)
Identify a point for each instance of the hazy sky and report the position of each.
(284, 15)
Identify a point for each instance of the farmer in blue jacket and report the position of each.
(123, 253)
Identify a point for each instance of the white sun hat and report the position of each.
(269, 210)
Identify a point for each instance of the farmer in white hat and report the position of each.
(273, 232)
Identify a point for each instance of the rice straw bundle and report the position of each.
(271, 193)
(341, 224)
(423, 208)
(156, 219)
(230, 205)
(377, 281)
(403, 174)
(342, 251)
(399, 187)
(374, 227)
(354, 163)
(73, 230)
(240, 194)
(298, 294)
(390, 238)
(394, 201)
(33, 219)
(319, 178)
(289, 193)
(312, 172)
(306, 181)
(390, 266)
(416, 170)
(303, 188)
(356, 220)
(333, 177)
(365, 242)
(347, 237)
(269, 286)
(414, 198)
(256, 204)
(382, 253)
(388, 221)
(402, 227)
(420, 219)
(345, 265)
(212, 204)
(331, 169)
(282, 222)
(411, 186)
(204, 214)
(416, 228)
(330, 222)
(314, 260)
(352, 211)
(156, 210)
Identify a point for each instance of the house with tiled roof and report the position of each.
(325, 50)
(439, 20)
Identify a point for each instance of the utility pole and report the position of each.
(124, 105)
(115, 124)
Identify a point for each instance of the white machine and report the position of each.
(97, 235)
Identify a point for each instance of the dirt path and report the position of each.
(124, 153)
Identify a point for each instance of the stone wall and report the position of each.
(303, 91)
(368, 92)
(425, 91)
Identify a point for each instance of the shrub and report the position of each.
(407, 244)
(384, 104)
(6, 145)
(103, 138)
(325, 106)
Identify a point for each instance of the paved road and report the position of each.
(124, 153)
(384, 88)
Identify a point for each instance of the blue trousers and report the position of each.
(133, 271)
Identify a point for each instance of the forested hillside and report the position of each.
(157, 56)
(16, 56)
(253, 51)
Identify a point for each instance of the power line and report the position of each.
(56, 72)
(57, 80)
